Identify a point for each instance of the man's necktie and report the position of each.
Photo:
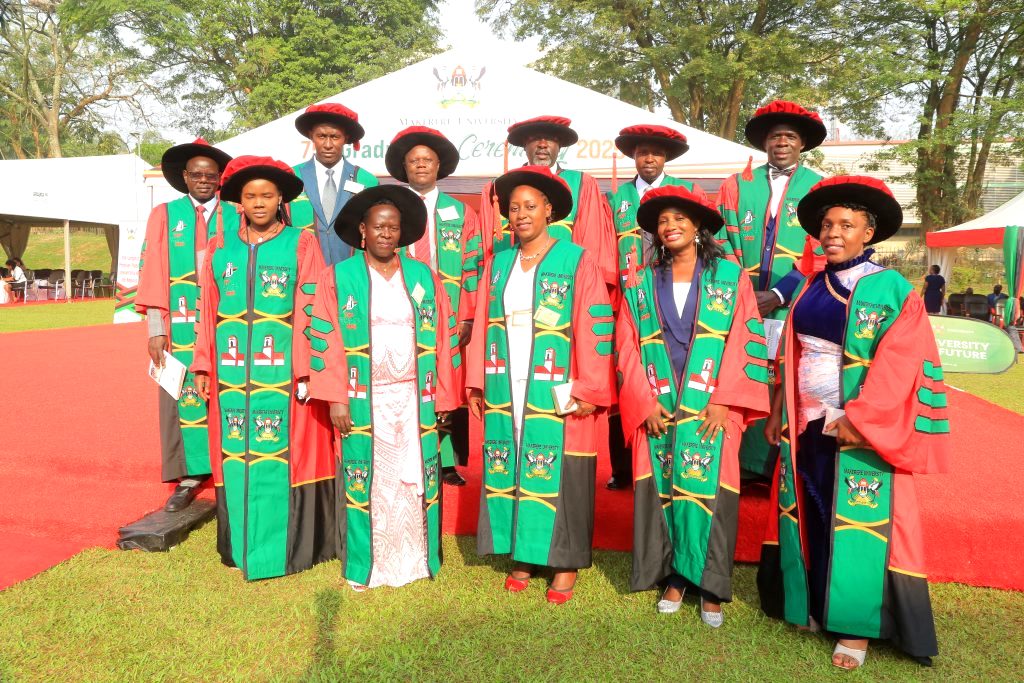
(329, 197)
(421, 250)
(201, 227)
(774, 173)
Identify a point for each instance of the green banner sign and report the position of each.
(969, 345)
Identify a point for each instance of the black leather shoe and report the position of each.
(451, 477)
(616, 484)
(181, 498)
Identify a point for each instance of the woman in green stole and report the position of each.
(270, 447)
(539, 367)
(860, 410)
(384, 350)
(693, 370)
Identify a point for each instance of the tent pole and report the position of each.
(67, 260)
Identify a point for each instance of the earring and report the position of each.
(696, 239)
(362, 242)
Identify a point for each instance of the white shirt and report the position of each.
(430, 200)
(209, 206)
(642, 185)
(680, 290)
(18, 274)
(778, 189)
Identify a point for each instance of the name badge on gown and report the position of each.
(417, 293)
(448, 213)
(545, 316)
(353, 187)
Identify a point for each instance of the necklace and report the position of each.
(541, 252)
(260, 238)
(386, 271)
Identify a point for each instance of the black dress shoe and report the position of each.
(451, 477)
(181, 498)
(616, 484)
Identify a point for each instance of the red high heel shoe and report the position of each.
(560, 597)
(514, 585)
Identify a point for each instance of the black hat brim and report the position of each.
(888, 212)
(565, 135)
(354, 131)
(174, 160)
(674, 149)
(558, 194)
(409, 205)
(447, 154)
(289, 184)
(813, 132)
(647, 214)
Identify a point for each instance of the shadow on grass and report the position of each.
(327, 607)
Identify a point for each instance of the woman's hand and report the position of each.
(583, 409)
(341, 418)
(657, 421)
(202, 382)
(476, 403)
(442, 416)
(465, 332)
(846, 433)
(773, 428)
(157, 346)
(715, 419)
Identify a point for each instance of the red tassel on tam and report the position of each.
(631, 279)
(615, 173)
(498, 232)
(506, 157)
(809, 261)
(748, 172)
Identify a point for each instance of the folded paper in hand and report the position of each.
(170, 377)
(562, 395)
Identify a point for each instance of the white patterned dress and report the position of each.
(397, 518)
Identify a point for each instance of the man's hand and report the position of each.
(465, 332)
(767, 302)
(157, 346)
(476, 403)
(202, 383)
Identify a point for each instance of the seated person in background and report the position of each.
(993, 299)
(15, 276)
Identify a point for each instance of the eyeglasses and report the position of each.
(202, 176)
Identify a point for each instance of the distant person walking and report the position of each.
(934, 291)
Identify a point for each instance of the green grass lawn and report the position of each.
(45, 249)
(107, 615)
(1006, 389)
(77, 313)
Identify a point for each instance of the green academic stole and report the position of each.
(448, 238)
(625, 203)
(352, 281)
(684, 470)
(862, 522)
(184, 291)
(301, 209)
(257, 288)
(752, 214)
(523, 492)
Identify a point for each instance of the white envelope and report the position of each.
(562, 395)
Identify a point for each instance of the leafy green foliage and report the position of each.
(262, 59)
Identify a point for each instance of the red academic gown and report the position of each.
(884, 412)
(747, 400)
(311, 458)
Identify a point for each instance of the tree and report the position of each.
(262, 59)
(63, 66)
(710, 62)
(965, 76)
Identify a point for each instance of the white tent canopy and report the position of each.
(105, 191)
(473, 99)
(984, 231)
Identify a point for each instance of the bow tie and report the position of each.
(774, 173)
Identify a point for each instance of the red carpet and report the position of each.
(81, 459)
